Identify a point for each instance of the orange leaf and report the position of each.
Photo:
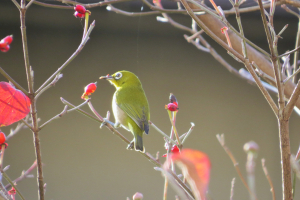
(195, 166)
(14, 104)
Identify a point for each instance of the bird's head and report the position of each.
(122, 79)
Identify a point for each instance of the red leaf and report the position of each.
(14, 104)
(195, 167)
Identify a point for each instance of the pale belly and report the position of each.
(119, 114)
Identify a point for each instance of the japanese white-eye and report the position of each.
(130, 106)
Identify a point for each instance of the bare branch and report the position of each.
(80, 47)
(23, 175)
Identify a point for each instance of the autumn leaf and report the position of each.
(195, 166)
(14, 104)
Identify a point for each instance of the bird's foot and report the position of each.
(130, 146)
(117, 125)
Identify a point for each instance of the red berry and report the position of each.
(12, 191)
(79, 8)
(78, 15)
(2, 137)
(2, 44)
(90, 88)
(175, 149)
(172, 107)
(8, 39)
(5, 48)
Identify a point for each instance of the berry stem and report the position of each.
(174, 128)
(86, 23)
(2, 155)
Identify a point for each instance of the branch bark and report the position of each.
(262, 62)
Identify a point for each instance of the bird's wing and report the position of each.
(139, 116)
(135, 107)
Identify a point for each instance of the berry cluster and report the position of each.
(5, 42)
(80, 11)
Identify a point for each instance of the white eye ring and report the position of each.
(118, 75)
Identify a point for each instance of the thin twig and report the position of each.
(23, 175)
(188, 133)
(235, 164)
(3, 146)
(47, 5)
(14, 131)
(26, 123)
(9, 180)
(292, 101)
(80, 47)
(296, 53)
(289, 52)
(131, 14)
(162, 133)
(268, 178)
(165, 189)
(263, 89)
(174, 128)
(232, 189)
(273, 56)
(55, 117)
(13, 81)
(92, 5)
(30, 2)
(16, 4)
(238, 19)
(54, 81)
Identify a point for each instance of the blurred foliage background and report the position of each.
(82, 161)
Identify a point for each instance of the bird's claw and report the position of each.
(117, 125)
(130, 146)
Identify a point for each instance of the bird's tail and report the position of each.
(138, 144)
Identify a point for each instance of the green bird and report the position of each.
(130, 106)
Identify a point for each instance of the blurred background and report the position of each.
(82, 161)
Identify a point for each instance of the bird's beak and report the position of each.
(107, 77)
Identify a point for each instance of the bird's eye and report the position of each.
(118, 75)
